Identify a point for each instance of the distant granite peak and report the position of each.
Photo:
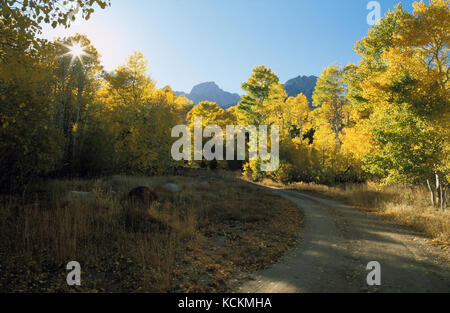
(301, 84)
(205, 86)
(210, 91)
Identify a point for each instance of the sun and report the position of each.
(76, 51)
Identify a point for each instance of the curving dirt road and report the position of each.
(338, 243)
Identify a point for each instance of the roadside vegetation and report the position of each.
(202, 239)
(406, 205)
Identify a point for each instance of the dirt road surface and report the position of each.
(338, 243)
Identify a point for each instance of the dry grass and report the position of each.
(409, 206)
(193, 241)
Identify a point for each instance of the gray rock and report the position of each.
(201, 185)
(80, 197)
(172, 188)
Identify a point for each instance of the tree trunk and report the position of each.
(445, 200)
(76, 135)
(55, 104)
(441, 194)
(439, 199)
(433, 202)
(63, 105)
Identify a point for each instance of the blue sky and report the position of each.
(191, 41)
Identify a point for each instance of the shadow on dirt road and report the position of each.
(338, 243)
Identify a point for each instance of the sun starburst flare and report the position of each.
(77, 51)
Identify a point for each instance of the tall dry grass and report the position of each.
(50, 232)
(407, 205)
(191, 241)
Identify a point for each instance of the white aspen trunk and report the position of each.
(430, 188)
(438, 189)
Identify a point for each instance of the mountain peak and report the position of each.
(208, 87)
(210, 91)
(207, 84)
(301, 84)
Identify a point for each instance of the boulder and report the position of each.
(201, 185)
(116, 181)
(80, 197)
(144, 195)
(173, 188)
